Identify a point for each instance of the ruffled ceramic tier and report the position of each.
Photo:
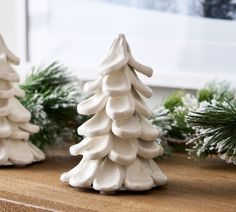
(130, 127)
(123, 151)
(109, 159)
(15, 128)
(107, 176)
(116, 107)
(19, 152)
(119, 83)
(119, 140)
(14, 146)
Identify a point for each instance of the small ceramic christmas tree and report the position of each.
(119, 145)
(15, 149)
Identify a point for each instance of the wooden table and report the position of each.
(209, 185)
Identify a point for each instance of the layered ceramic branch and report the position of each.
(15, 128)
(119, 145)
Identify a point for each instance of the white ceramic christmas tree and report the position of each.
(15, 149)
(119, 145)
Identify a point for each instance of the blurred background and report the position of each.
(187, 42)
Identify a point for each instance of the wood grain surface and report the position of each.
(209, 185)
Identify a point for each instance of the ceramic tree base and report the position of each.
(19, 153)
(15, 129)
(108, 177)
(119, 144)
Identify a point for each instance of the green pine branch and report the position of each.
(215, 130)
(172, 121)
(52, 95)
(178, 130)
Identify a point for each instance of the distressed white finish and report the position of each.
(119, 144)
(15, 129)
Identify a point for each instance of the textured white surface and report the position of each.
(15, 129)
(119, 144)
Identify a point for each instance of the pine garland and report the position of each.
(218, 91)
(173, 122)
(52, 95)
(187, 115)
(215, 125)
(179, 103)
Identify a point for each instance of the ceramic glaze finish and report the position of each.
(119, 144)
(15, 129)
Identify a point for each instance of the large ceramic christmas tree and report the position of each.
(15, 129)
(119, 145)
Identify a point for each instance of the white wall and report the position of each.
(8, 25)
(186, 51)
(12, 25)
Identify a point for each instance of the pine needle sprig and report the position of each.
(47, 78)
(215, 130)
(161, 118)
(52, 95)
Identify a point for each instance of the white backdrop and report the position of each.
(185, 51)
